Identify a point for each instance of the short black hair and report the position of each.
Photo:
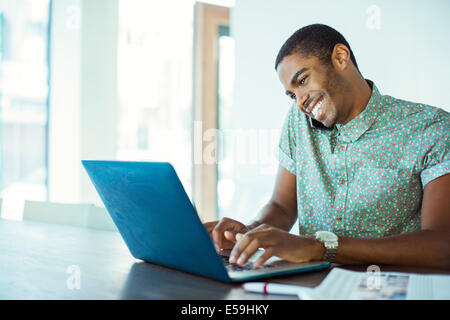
(314, 40)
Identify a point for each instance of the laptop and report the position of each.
(159, 224)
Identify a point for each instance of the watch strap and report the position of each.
(330, 254)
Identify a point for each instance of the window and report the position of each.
(226, 197)
(155, 83)
(24, 29)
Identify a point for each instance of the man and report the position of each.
(366, 174)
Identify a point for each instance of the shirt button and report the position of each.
(341, 147)
(342, 181)
(339, 218)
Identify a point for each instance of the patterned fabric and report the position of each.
(366, 178)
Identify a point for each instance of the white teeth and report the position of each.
(317, 108)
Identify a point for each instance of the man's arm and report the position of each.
(429, 246)
(281, 210)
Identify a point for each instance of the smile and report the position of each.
(316, 109)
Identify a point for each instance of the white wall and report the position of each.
(407, 57)
(64, 117)
(83, 96)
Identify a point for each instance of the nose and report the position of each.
(301, 101)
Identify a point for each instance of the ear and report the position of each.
(340, 57)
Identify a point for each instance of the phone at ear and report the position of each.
(317, 124)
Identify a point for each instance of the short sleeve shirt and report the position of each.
(366, 178)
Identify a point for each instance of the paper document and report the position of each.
(342, 284)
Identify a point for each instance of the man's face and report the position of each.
(316, 87)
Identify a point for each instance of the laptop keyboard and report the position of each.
(246, 267)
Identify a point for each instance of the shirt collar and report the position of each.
(352, 130)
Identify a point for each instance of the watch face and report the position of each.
(326, 236)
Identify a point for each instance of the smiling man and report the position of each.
(366, 174)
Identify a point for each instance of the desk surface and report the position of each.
(35, 261)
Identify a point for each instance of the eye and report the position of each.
(303, 80)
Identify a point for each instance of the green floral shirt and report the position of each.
(366, 178)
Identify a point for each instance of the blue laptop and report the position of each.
(159, 224)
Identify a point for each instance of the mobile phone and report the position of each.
(317, 124)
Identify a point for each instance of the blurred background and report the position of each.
(188, 82)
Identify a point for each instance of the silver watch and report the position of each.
(330, 241)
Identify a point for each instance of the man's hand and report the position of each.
(223, 232)
(275, 242)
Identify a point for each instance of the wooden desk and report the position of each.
(35, 257)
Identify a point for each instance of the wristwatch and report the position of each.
(330, 241)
